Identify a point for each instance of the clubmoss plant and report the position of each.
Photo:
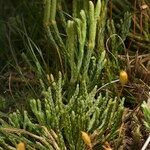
(83, 54)
(146, 111)
(54, 124)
